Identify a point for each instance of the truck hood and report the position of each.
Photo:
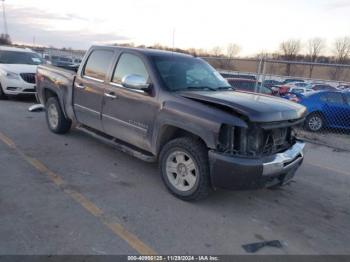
(258, 108)
(18, 68)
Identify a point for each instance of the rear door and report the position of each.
(128, 114)
(89, 87)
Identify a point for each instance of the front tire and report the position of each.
(184, 168)
(314, 122)
(56, 120)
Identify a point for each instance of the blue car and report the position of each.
(326, 109)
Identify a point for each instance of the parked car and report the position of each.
(291, 80)
(271, 83)
(76, 60)
(326, 109)
(302, 84)
(343, 87)
(248, 85)
(227, 75)
(300, 90)
(17, 71)
(323, 87)
(286, 88)
(177, 110)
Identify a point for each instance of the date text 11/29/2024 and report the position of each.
(173, 258)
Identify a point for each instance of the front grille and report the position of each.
(254, 141)
(28, 77)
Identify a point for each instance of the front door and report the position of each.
(128, 114)
(89, 88)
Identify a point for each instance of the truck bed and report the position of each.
(60, 82)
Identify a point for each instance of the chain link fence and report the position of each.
(60, 57)
(324, 89)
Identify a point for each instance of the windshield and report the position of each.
(248, 86)
(14, 57)
(187, 73)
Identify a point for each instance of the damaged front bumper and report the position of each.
(246, 173)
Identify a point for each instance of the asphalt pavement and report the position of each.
(72, 194)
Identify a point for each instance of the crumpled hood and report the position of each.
(19, 68)
(258, 108)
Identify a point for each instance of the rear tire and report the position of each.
(184, 168)
(314, 122)
(56, 120)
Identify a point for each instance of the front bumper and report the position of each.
(245, 173)
(17, 87)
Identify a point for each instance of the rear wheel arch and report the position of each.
(48, 93)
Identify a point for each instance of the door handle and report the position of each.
(81, 86)
(111, 95)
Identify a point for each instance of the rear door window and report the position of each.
(98, 63)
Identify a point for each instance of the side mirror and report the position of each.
(136, 82)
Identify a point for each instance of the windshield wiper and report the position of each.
(200, 88)
(203, 88)
(225, 88)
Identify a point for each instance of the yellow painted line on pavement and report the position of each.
(7, 141)
(115, 227)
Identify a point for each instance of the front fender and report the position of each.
(200, 120)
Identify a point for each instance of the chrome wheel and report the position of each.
(315, 123)
(181, 170)
(52, 114)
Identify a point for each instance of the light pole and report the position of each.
(4, 18)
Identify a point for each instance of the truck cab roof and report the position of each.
(144, 51)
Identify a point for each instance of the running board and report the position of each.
(121, 146)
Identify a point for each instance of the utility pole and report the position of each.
(4, 17)
(173, 39)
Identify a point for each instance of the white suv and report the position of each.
(17, 71)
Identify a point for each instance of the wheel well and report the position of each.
(168, 133)
(316, 113)
(48, 93)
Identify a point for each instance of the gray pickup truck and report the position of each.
(177, 110)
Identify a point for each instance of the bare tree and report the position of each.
(315, 47)
(232, 50)
(290, 49)
(342, 50)
(341, 54)
(216, 51)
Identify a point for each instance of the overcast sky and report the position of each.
(255, 25)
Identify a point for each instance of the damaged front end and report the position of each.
(261, 155)
(257, 140)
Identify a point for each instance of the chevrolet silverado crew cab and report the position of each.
(177, 110)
